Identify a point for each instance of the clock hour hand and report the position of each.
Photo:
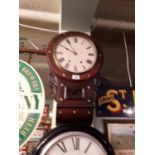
(68, 49)
(71, 45)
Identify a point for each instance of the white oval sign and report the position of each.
(32, 101)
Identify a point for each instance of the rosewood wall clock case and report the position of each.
(75, 60)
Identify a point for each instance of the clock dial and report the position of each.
(76, 54)
(74, 139)
(74, 143)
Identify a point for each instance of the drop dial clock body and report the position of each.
(75, 60)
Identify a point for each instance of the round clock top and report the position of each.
(74, 140)
(74, 53)
(74, 143)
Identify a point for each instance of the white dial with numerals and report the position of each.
(76, 54)
(73, 143)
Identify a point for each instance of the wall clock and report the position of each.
(74, 140)
(75, 61)
(74, 56)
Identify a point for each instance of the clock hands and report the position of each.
(67, 40)
(68, 49)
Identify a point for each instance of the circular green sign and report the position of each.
(32, 101)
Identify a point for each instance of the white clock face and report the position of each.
(74, 143)
(76, 54)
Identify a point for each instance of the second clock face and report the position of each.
(74, 143)
(76, 54)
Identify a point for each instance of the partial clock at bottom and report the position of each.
(74, 139)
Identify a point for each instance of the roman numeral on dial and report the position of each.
(75, 68)
(89, 61)
(76, 143)
(68, 41)
(59, 52)
(87, 148)
(84, 67)
(88, 47)
(75, 39)
(91, 54)
(67, 66)
(62, 146)
(61, 60)
(82, 42)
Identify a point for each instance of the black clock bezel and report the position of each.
(74, 127)
(61, 72)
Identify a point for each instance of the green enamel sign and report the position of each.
(32, 101)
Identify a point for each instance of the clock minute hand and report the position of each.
(68, 49)
(73, 49)
(71, 46)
